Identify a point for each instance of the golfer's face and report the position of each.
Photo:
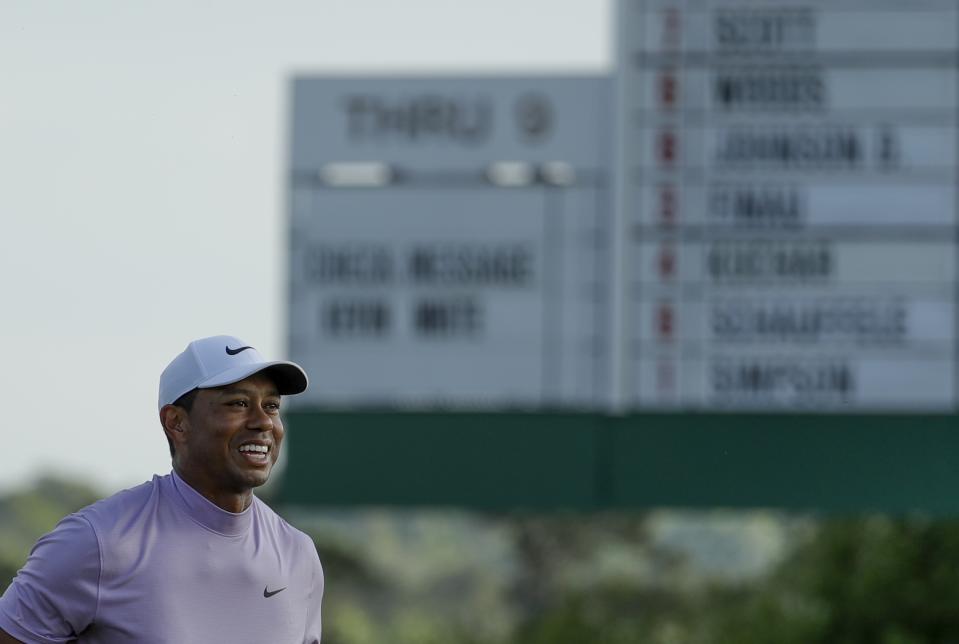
(236, 433)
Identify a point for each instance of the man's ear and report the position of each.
(175, 422)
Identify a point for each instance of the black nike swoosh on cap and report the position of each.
(233, 352)
(270, 593)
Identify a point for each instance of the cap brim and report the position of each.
(289, 377)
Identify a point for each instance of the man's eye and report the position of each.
(237, 403)
(273, 406)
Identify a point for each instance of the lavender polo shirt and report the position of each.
(160, 563)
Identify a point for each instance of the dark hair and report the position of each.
(185, 402)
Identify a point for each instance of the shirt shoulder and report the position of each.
(124, 506)
(290, 538)
(279, 526)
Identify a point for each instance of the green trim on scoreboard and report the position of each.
(553, 461)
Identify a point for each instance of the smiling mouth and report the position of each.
(255, 454)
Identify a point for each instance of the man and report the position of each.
(194, 556)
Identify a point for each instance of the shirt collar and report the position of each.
(207, 513)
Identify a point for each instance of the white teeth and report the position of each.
(262, 449)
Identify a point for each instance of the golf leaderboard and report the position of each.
(724, 273)
(789, 201)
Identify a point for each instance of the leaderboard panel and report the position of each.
(447, 242)
(789, 194)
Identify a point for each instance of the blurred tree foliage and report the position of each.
(873, 580)
(617, 607)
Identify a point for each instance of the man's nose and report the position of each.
(259, 418)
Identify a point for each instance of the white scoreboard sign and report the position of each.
(448, 241)
(788, 203)
(758, 212)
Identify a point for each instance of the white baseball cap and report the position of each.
(220, 360)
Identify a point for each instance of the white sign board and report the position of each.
(447, 241)
(788, 192)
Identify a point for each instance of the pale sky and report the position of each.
(142, 150)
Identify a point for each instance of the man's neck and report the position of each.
(231, 501)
